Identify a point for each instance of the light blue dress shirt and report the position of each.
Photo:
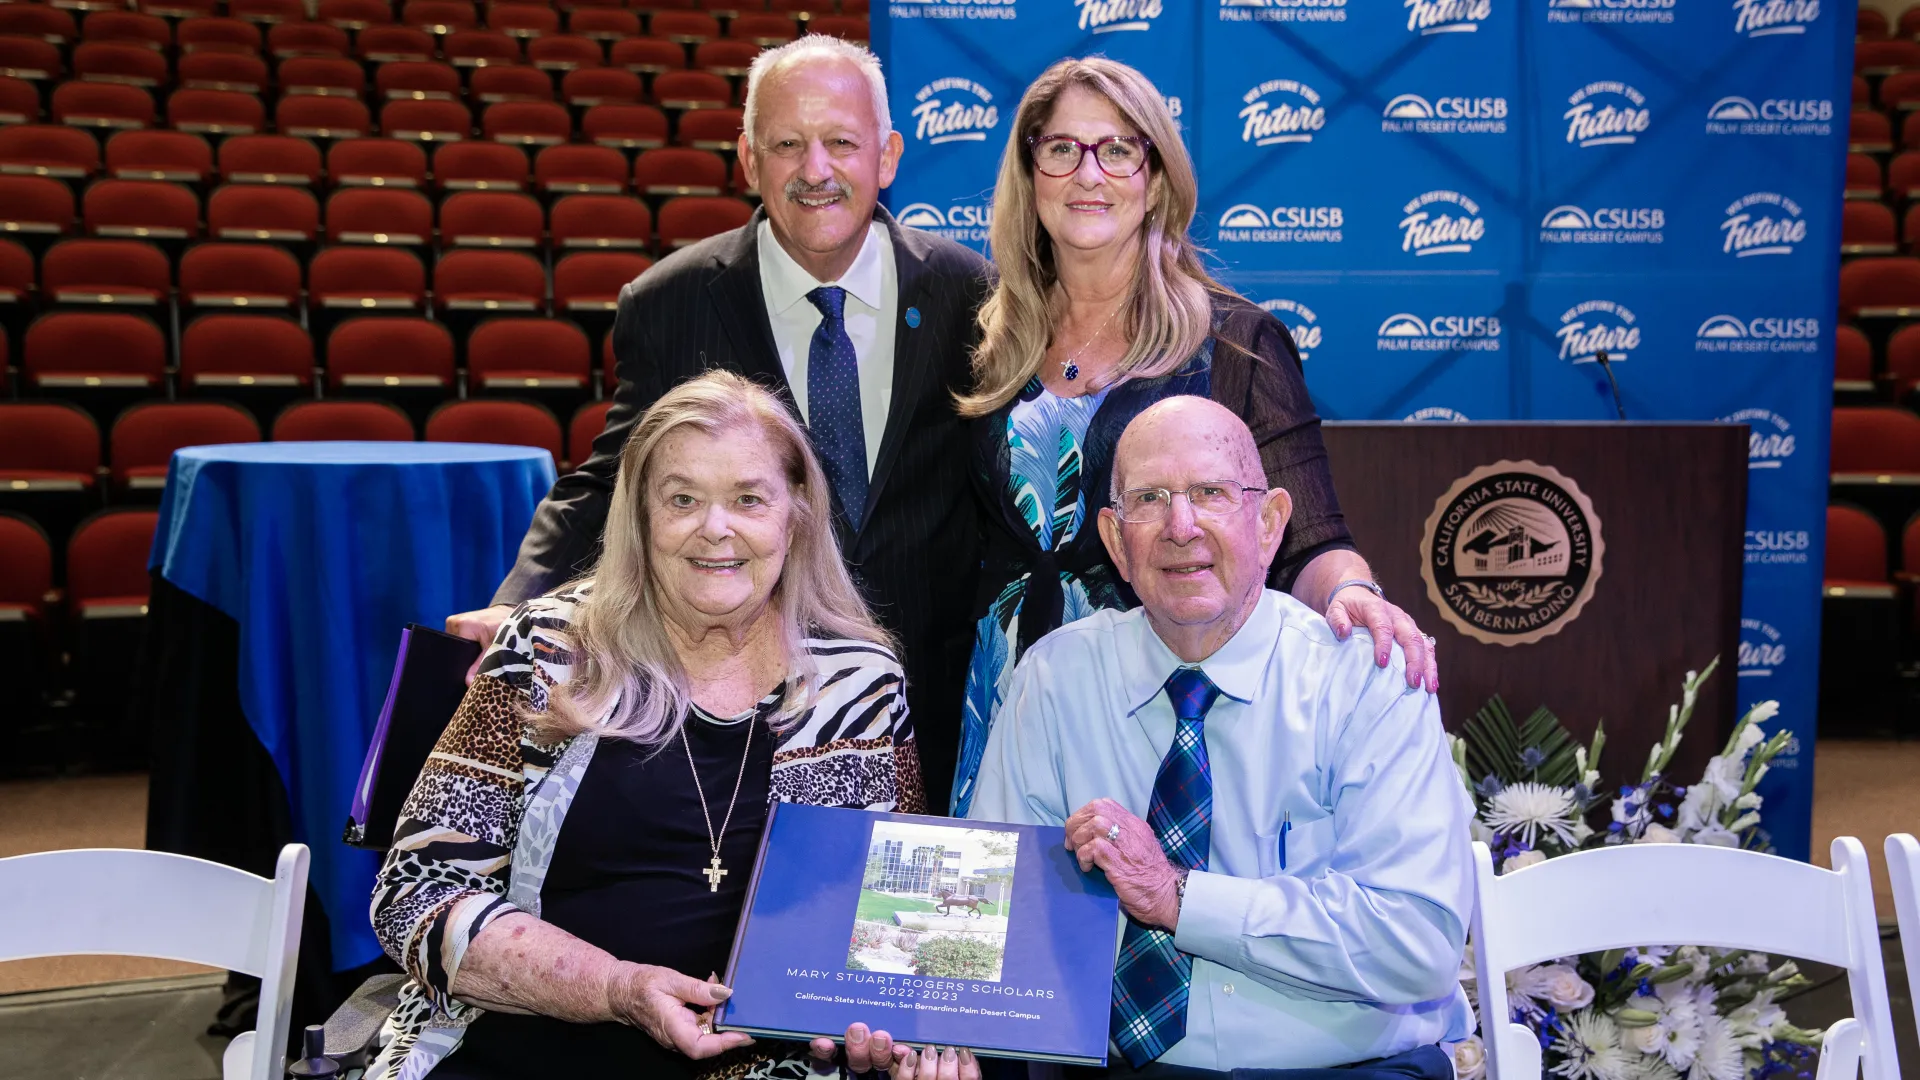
(1351, 950)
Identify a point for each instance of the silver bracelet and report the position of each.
(1371, 586)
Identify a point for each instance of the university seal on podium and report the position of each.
(1511, 552)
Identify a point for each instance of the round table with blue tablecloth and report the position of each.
(283, 575)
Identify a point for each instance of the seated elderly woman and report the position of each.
(568, 871)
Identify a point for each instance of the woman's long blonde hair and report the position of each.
(1170, 311)
(624, 666)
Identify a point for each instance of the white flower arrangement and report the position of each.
(1652, 1013)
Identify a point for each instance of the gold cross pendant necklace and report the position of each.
(713, 872)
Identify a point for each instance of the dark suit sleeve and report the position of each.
(564, 539)
(1263, 383)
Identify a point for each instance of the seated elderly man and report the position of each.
(1297, 896)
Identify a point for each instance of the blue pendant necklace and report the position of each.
(1069, 368)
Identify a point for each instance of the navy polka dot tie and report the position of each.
(833, 403)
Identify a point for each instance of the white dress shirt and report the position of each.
(1352, 949)
(872, 308)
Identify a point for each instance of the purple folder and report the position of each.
(429, 679)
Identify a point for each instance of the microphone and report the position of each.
(1601, 356)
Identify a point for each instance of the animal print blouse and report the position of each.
(477, 833)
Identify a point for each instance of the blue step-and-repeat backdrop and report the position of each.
(1455, 203)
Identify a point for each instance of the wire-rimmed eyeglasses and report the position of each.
(1119, 156)
(1211, 498)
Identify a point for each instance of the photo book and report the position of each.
(935, 930)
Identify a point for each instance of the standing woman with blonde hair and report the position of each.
(1103, 308)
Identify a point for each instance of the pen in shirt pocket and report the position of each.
(1286, 824)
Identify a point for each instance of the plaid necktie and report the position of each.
(833, 403)
(1151, 979)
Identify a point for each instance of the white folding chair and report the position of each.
(1903, 866)
(1709, 896)
(114, 901)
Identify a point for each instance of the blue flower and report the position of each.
(1489, 787)
(1532, 758)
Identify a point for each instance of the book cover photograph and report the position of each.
(934, 930)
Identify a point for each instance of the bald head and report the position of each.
(1200, 424)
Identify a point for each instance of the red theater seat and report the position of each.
(691, 90)
(710, 129)
(685, 27)
(587, 87)
(416, 80)
(323, 117)
(426, 121)
(479, 48)
(141, 209)
(1853, 359)
(224, 352)
(1863, 177)
(71, 350)
(322, 76)
(1869, 23)
(590, 281)
(1885, 57)
(626, 127)
(1875, 441)
(679, 170)
(107, 567)
(494, 281)
(516, 423)
(31, 59)
(102, 105)
(1867, 228)
(379, 216)
(354, 421)
(47, 446)
(604, 23)
(527, 123)
(145, 436)
(493, 219)
(121, 62)
(690, 219)
(355, 14)
(762, 28)
(1903, 175)
(648, 55)
(565, 52)
(393, 44)
(268, 12)
(130, 27)
(31, 205)
(1903, 360)
(580, 169)
(1885, 287)
(282, 215)
(269, 159)
(849, 27)
(210, 33)
(602, 221)
(130, 273)
(290, 39)
(16, 275)
(26, 583)
(587, 424)
(523, 20)
(388, 353)
(1856, 550)
(510, 82)
(1869, 133)
(726, 56)
(439, 16)
(237, 72)
(246, 276)
(49, 24)
(528, 354)
(377, 163)
(479, 166)
(57, 151)
(19, 101)
(367, 279)
(216, 112)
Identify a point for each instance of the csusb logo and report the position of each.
(1589, 327)
(1436, 413)
(1447, 16)
(1761, 649)
(1610, 11)
(1773, 116)
(1769, 437)
(1441, 333)
(1445, 115)
(952, 9)
(1245, 223)
(1765, 18)
(1760, 334)
(1763, 223)
(1283, 10)
(1606, 225)
(1300, 322)
(1292, 115)
(1450, 229)
(1106, 16)
(1606, 114)
(1778, 547)
(964, 222)
(954, 110)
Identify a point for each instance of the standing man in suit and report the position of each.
(864, 326)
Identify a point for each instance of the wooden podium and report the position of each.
(1584, 567)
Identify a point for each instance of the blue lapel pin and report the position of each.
(913, 317)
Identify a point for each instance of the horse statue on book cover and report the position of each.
(950, 899)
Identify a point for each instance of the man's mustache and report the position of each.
(797, 188)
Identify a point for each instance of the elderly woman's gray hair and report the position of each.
(628, 681)
(818, 47)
